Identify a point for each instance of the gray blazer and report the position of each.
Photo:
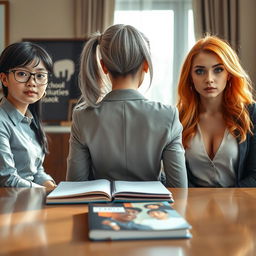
(125, 138)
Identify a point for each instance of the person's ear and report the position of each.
(4, 79)
(145, 67)
(103, 67)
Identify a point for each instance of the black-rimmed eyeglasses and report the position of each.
(23, 76)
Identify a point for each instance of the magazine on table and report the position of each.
(143, 220)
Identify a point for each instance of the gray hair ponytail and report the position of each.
(89, 75)
(122, 48)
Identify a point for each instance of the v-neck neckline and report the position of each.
(219, 148)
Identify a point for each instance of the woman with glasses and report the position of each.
(24, 72)
(118, 134)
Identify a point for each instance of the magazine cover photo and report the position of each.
(136, 220)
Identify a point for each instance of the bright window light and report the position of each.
(161, 45)
(169, 27)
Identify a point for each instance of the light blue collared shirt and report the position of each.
(21, 156)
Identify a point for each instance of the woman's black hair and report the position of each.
(21, 54)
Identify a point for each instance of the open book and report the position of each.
(106, 191)
(147, 220)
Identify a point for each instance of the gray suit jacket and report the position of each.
(125, 138)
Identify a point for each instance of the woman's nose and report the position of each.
(31, 81)
(209, 77)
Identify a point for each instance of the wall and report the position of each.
(248, 37)
(55, 19)
(41, 19)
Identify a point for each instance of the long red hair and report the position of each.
(237, 94)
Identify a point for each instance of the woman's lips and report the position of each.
(210, 89)
(30, 93)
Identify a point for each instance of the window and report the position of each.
(168, 24)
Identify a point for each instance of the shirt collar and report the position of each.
(14, 114)
(124, 94)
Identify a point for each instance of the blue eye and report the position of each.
(218, 70)
(200, 71)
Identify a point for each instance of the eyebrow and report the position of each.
(41, 69)
(214, 66)
(37, 69)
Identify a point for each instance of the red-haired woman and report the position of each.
(218, 115)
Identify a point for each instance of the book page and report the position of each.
(76, 188)
(140, 187)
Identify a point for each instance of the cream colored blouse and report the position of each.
(216, 172)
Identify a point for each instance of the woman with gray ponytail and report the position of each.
(117, 134)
